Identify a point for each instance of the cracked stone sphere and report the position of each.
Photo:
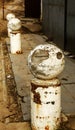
(14, 24)
(46, 61)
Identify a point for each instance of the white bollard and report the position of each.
(15, 24)
(15, 42)
(45, 104)
(46, 62)
(15, 36)
(9, 17)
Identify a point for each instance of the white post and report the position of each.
(15, 36)
(46, 62)
(9, 17)
(15, 42)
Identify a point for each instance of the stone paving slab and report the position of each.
(68, 99)
(67, 78)
(71, 90)
(68, 75)
(23, 76)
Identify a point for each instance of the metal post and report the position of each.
(41, 10)
(46, 62)
(3, 1)
(65, 24)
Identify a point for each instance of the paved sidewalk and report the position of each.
(5, 104)
(68, 87)
(23, 76)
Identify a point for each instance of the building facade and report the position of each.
(59, 23)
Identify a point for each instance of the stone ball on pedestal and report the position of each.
(46, 61)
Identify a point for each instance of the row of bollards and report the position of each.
(14, 33)
(46, 62)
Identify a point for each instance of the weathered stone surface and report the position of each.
(46, 61)
(2, 126)
(18, 126)
(33, 27)
(64, 117)
(15, 126)
(71, 123)
(14, 6)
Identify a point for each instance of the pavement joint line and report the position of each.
(3, 78)
(68, 83)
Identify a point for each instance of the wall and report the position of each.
(70, 46)
(59, 23)
(53, 21)
(14, 6)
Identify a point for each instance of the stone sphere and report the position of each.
(10, 16)
(46, 61)
(14, 24)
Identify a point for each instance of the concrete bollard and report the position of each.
(46, 62)
(9, 17)
(15, 36)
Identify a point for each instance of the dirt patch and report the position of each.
(10, 111)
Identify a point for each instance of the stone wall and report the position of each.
(12, 6)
